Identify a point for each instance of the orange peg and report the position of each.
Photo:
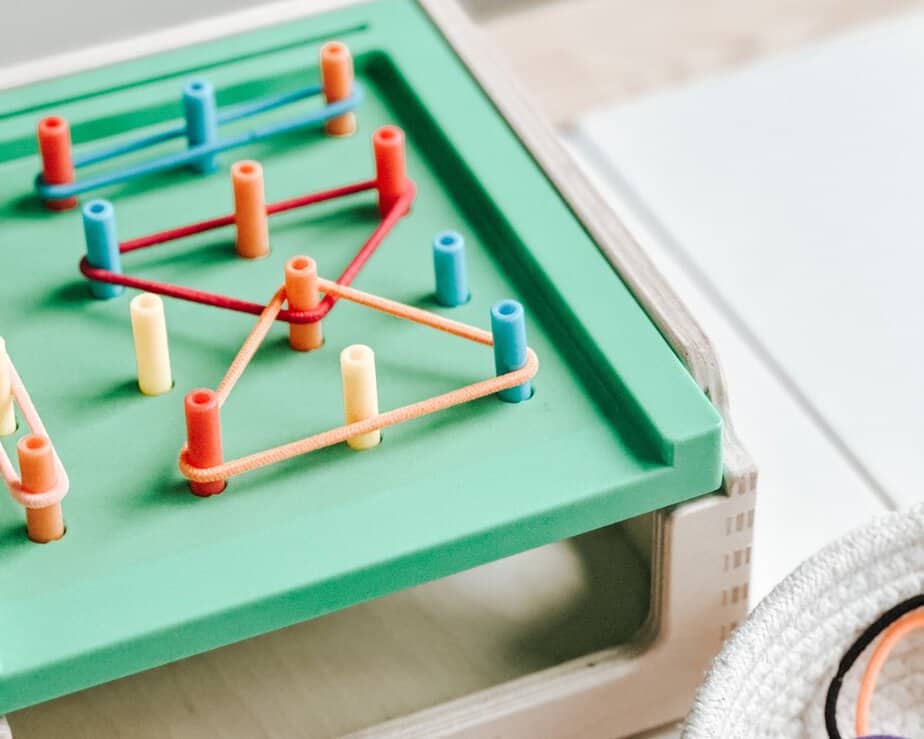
(337, 79)
(250, 210)
(54, 140)
(39, 475)
(302, 294)
(203, 437)
(390, 166)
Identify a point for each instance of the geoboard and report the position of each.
(147, 572)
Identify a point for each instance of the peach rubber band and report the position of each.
(890, 637)
(249, 348)
(10, 477)
(382, 420)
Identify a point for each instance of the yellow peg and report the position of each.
(360, 395)
(7, 414)
(152, 354)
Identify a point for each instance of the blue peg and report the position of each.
(449, 266)
(508, 325)
(99, 228)
(201, 113)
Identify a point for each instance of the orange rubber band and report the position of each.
(890, 637)
(408, 312)
(251, 344)
(340, 434)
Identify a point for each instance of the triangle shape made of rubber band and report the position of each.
(312, 443)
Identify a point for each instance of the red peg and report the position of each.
(54, 140)
(203, 437)
(390, 166)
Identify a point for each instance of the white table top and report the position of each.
(798, 465)
(785, 203)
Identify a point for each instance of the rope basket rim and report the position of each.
(828, 599)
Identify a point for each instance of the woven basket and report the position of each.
(770, 679)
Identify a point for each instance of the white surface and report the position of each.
(34, 31)
(807, 494)
(793, 190)
(84, 50)
(784, 203)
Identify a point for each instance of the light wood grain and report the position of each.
(367, 664)
(574, 55)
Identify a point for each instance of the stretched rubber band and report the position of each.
(281, 206)
(228, 115)
(44, 499)
(191, 154)
(10, 476)
(382, 420)
(408, 312)
(890, 637)
(227, 302)
(251, 344)
(853, 653)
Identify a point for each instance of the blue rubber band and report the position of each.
(244, 110)
(229, 115)
(198, 153)
(128, 147)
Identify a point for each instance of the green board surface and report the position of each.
(148, 573)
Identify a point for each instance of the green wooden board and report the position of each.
(148, 573)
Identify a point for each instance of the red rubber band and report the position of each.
(180, 232)
(227, 302)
